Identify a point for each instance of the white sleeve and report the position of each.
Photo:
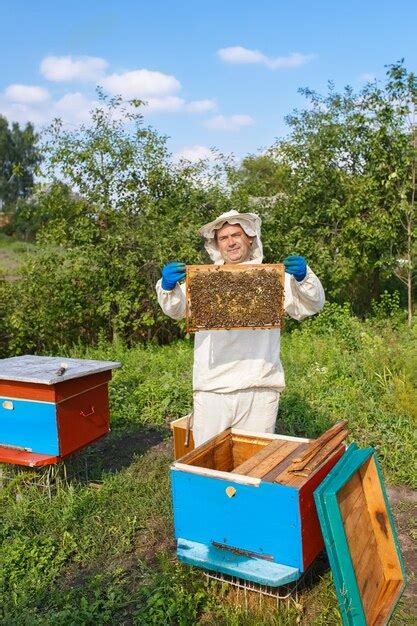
(303, 298)
(172, 302)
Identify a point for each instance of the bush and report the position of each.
(337, 320)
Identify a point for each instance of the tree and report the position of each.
(19, 159)
(398, 106)
(260, 176)
(115, 210)
(351, 169)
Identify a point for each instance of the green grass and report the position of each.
(103, 552)
(12, 254)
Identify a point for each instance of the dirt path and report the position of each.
(404, 508)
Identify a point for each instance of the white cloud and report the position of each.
(167, 103)
(240, 55)
(26, 94)
(73, 108)
(367, 78)
(158, 90)
(69, 68)
(21, 113)
(141, 84)
(194, 153)
(231, 123)
(201, 106)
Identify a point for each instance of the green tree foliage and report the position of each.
(115, 211)
(260, 176)
(340, 189)
(19, 158)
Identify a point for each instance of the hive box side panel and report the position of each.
(75, 386)
(51, 393)
(29, 425)
(312, 538)
(262, 520)
(179, 432)
(82, 419)
(27, 391)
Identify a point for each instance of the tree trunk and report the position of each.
(409, 274)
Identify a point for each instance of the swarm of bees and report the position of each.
(221, 298)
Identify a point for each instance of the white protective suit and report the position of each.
(237, 374)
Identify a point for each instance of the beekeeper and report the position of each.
(237, 374)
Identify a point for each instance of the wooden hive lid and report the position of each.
(241, 308)
(360, 538)
(44, 369)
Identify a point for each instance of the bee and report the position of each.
(228, 299)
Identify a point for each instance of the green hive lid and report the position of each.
(360, 538)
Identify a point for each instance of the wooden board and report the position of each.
(241, 301)
(246, 447)
(179, 429)
(202, 453)
(259, 457)
(284, 462)
(312, 538)
(317, 445)
(298, 480)
(360, 538)
(23, 457)
(52, 393)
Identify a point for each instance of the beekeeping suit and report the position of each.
(237, 374)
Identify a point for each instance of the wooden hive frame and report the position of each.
(192, 269)
(255, 456)
(361, 541)
(274, 458)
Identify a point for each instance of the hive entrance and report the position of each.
(234, 296)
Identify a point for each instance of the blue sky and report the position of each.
(216, 74)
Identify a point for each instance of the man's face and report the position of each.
(233, 243)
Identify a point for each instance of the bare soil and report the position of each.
(404, 509)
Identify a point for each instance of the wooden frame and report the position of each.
(190, 269)
(360, 538)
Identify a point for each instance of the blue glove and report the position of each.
(171, 274)
(297, 266)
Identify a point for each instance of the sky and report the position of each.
(215, 74)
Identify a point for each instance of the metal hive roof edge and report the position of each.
(43, 369)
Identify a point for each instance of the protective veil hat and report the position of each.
(251, 224)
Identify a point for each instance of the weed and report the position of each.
(106, 556)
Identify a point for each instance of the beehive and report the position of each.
(240, 511)
(48, 411)
(234, 296)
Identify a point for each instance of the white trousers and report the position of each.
(250, 409)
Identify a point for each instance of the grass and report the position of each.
(102, 552)
(12, 255)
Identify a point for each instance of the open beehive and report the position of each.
(241, 508)
(360, 538)
(234, 296)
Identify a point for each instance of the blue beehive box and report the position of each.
(259, 525)
(50, 407)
